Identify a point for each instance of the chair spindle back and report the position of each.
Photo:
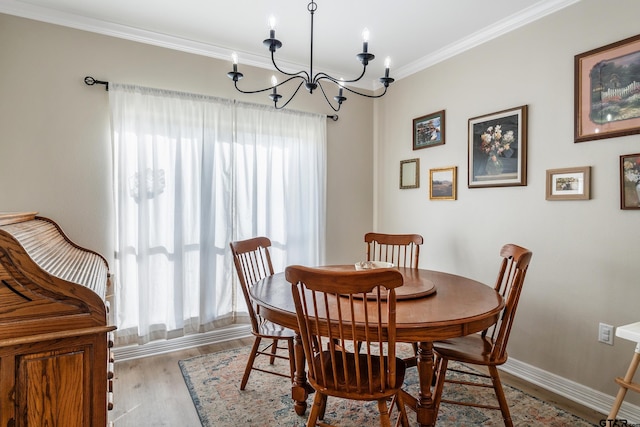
(403, 250)
(336, 310)
(253, 263)
(509, 284)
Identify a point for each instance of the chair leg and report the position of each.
(415, 348)
(323, 407)
(274, 350)
(628, 378)
(318, 403)
(402, 411)
(497, 386)
(249, 367)
(292, 358)
(385, 421)
(440, 368)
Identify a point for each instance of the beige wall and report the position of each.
(585, 267)
(55, 149)
(55, 158)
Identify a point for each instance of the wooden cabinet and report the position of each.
(54, 346)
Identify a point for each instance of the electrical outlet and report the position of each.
(605, 333)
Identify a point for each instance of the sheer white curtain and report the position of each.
(280, 182)
(192, 173)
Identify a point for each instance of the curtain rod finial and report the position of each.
(90, 81)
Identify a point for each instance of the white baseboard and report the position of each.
(576, 392)
(188, 341)
(571, 390)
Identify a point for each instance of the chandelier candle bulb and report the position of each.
(387, 64)
(272, 27)
(275, 96)
(234, 59)
(365, 40)
(234, 75)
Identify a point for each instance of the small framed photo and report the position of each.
(606, 87)
(428, 131)
(410, 173)
(442, 183)
(630, 181)
(569, 183)
(498, 149)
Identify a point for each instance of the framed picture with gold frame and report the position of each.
(443, 183)
(410, 173)
(568, 183)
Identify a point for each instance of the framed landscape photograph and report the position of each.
(428, 131)
(410, 173)
(498, 149)
(442, 183)
(630, 181)
(568, 183)
(607, 91)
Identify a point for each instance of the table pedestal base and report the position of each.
(424, 405)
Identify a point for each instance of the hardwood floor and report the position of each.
(152, 392)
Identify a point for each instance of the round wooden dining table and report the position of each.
(431, 306)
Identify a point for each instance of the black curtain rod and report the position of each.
(90, 81)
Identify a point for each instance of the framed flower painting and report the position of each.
(498, 149)
(630, 181)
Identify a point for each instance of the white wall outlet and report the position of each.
(605, 333)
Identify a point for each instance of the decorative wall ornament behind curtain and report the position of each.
(206, 171)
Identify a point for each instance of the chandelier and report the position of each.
(311, 81)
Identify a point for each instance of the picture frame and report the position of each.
(569, 183)
(443, 183)
(630, 181)
(497, 149)
(429, 131)
(410, 173)
(606, 87)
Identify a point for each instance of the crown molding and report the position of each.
(25, 10)
(511, 23)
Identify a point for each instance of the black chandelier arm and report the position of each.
(275, 104)
(327, 99)
(324, 76)
(366, 95)
(307, 77)
(248, 92)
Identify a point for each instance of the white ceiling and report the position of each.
(415, 34)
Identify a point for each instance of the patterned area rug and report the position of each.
(213, 381)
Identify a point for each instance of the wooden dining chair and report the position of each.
(488, 348)
(335, 309)
(403, 250)
(253, 263)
